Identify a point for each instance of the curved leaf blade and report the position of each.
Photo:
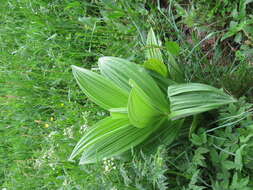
(108, 138)
(165, 135)
(161, 81)
(99, 89)
(120, 71)
(193, 98)
(156, 65)
(142, 110)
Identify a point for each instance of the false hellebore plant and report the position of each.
(147, 104)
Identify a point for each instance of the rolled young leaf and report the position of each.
(193, 98)
(100, 89)
(120, 71)
(153, 52)
(154, 56)
(142, 110)
(110, 137)
(153, 44)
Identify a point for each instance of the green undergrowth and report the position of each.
(43, 112)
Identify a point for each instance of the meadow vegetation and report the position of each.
(44, 113)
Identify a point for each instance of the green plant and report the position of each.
(40, 107)
(219, 157)
(138, 107)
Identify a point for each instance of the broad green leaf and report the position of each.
(110, 137)
(238, 158)
(242, 9)
(161, 81)
(153, 47)
(164, 135)
(175, 71)
(142, 110)
(99, 89)
(240, 182)
(198, 139)
(97, 131)
(193, 98)
(119, 112)
(214, 156)
(228, 164)
(120, 71)
(156, 65)
(172, 47)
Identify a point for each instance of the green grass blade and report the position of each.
(99, 89)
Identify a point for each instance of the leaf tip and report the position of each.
(103, 60)
(74, 67)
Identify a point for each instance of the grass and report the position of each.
(42, 108)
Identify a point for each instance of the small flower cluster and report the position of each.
(69, 132)
(109, 164)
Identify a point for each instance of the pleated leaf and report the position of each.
(153, 44)
(119, 112)
(120, 71)
(109, 138)
(99, 89)
(142, 110)
(193, 98)
(165, 135)
(157, 66)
